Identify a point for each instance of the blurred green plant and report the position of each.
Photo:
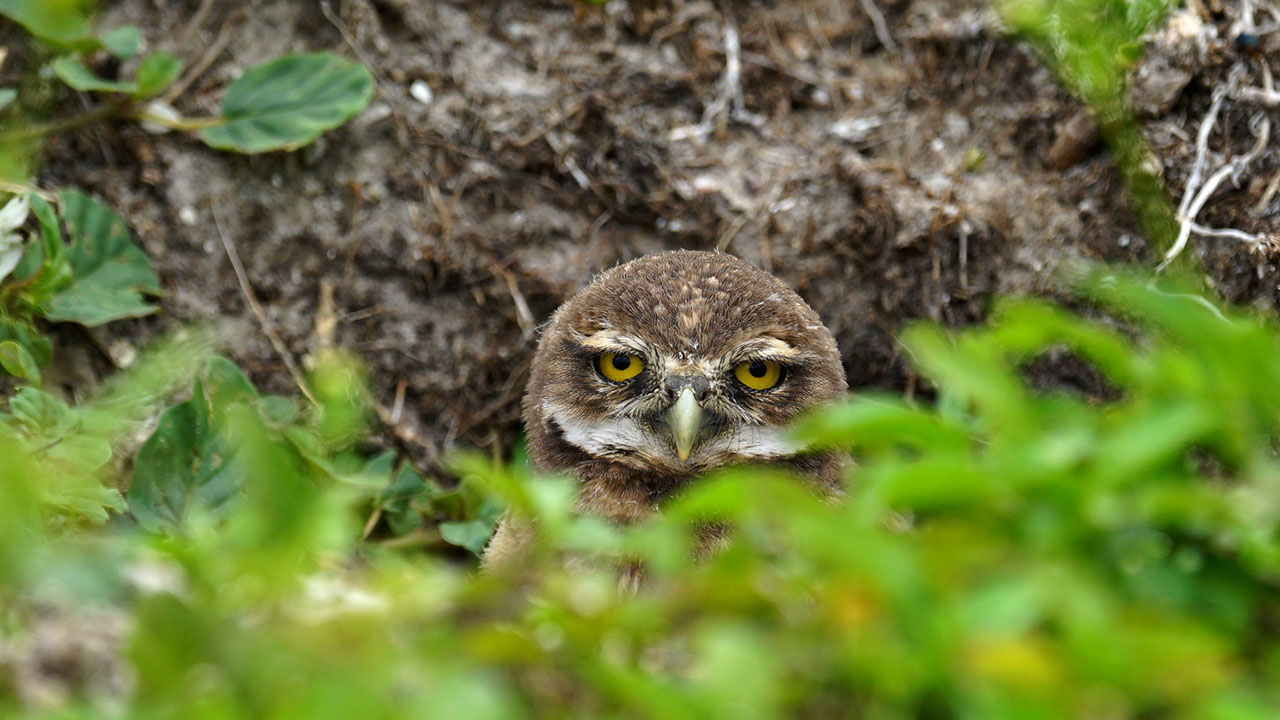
(1009, 552)
(193, 470)
(60, 454)
(1092, 45)
(52, 434)
(282, 104)
(98, 276)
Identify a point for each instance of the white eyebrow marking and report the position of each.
(770, 346)
(612, 340)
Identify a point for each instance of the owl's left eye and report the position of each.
(619, 367)
(759, 374)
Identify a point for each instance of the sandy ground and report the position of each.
(514, 149)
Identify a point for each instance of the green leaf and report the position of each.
(74, 73)
(83, 452)
(7, 95)
(31, 263)
(182, 465)
(879, 422)
(403, 496)
(109, 272)
(123, 42)
(42, 413)
(89, 499)
(62, 22)
(156, 72)
(473, 534)
(47, 259)
(226, 386)
(25, 334)
(187, 463)
(17, 361)
(289, 101)
(48, 220)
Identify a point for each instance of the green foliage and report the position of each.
(289, 102)
(192, 469)
(283, 104)
(100, 276)
(187, 466)
(109, 273)
(56, 456)
(71, 70)
(156, 73)
(1092, 45)
(123, 42)
(63, 23)
(1007, 552)
(18, 361)
(72, 458)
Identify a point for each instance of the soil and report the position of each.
(514, 149)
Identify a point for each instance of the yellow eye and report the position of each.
(619, 367)
(759, 374)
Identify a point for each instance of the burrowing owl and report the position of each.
(667, 367)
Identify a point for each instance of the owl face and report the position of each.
(678, 363)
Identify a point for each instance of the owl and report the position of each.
(667, 367)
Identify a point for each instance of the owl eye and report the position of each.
(759, 374)
(619, 367)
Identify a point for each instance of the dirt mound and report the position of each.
(514, 149)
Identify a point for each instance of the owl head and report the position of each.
(675, 364)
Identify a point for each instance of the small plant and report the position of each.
(1092, 45)
(98, 276)
(191, 466)
(281, 105)
(54, 436)
(61, 454)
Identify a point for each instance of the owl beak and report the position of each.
(685, 419)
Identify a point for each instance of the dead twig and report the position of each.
(194, 24)
(215, 49)
(730, 232)
(1195, 195)
(404, 435)
(566, 112)
(397, 406)
(267, 328)
(326, 316)
(524, 316)
(19, 188)
(730, 102)
(1230, 233)
(881, 27)
(1270, 192)
(371, 523)
(350, 40)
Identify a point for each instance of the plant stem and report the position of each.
(181, 123)
(33, 132)
(1146, 191)
(102, 112)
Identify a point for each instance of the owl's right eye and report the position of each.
(619, 367)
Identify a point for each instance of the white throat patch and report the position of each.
(623, 439)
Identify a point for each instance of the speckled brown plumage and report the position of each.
(691, 318)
